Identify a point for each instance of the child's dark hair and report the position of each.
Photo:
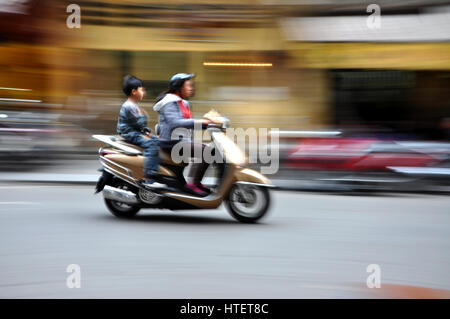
(131, 83)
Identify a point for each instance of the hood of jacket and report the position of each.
(168, 98)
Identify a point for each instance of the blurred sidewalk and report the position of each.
(85, 171)
(60, 171)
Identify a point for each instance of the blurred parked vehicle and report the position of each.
(368, 163)
(34, 138)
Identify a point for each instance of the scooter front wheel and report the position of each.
(248, 203)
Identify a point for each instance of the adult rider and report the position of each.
(175, 112)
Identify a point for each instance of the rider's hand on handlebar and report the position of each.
(205, 122)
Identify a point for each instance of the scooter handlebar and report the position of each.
(214, 125)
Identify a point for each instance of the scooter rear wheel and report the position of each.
(120, 209)
(248, 203)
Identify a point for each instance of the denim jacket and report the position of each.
(130, 121)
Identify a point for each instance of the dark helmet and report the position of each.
(177, 81)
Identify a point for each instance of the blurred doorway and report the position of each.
(373, 100)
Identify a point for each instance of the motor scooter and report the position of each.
(244, 191)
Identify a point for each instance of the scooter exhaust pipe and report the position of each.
(119, 195)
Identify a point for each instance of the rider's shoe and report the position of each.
(192, 187)
(203, 187)
(149, 183)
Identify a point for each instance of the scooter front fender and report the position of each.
(250, 176)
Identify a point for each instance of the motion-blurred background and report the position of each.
(358, 105)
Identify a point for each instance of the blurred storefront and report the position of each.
(209, 39)
(290, 65)
(394, 79)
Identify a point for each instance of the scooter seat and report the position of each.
(164, 157)
(122, 141)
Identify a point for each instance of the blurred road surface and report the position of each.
(309, 246)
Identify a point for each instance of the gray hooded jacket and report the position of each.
(171, 117)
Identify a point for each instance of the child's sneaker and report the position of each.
(152, 184)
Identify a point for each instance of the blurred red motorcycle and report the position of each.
(368, 162)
